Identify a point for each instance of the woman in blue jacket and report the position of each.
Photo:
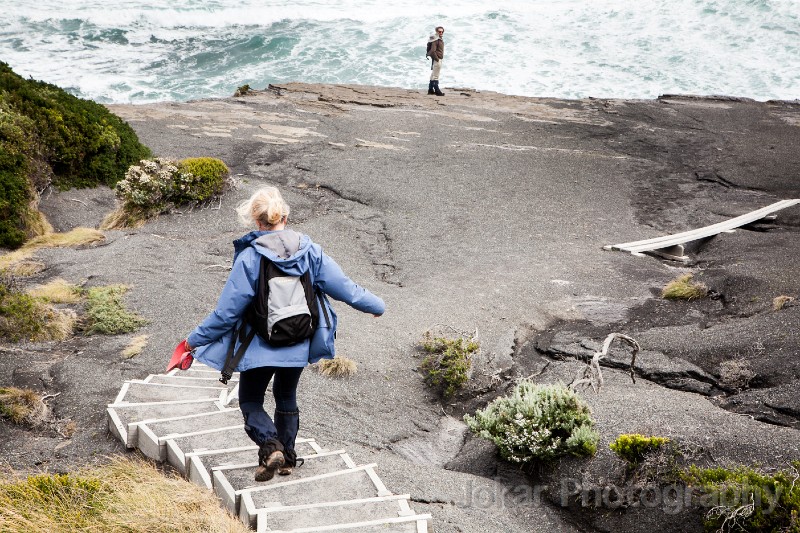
(294, 254)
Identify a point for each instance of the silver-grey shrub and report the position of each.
(537, 422)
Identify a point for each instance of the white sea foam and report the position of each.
(116, 51)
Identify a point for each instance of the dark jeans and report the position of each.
(257, 423)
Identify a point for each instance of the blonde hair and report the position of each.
(266, 205)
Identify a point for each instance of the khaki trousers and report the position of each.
(437, 67)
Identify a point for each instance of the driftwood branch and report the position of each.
(592, 375)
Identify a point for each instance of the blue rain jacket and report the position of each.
(214, 335)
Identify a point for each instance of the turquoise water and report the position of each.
(114, 51)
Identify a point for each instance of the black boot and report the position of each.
(270, 459)
(288, 424)
(430, 87)
(436, 90)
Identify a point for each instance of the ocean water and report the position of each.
(117, 51)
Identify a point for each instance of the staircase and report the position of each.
(191, 421)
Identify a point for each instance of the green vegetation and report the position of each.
(49, 136)
(155, 186)
(243, 90)
(634, 448)
(683, 288)
(22, 406)
(447, 365)
(121, 496)
(337, 367)
(106, 312)
(23, 316)
(537, 422)
(745, 499)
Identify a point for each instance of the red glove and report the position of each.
(181, 357)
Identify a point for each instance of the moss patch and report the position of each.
(634, 448)
(447, 365)
(106, 312)
(746, 499)
(683, 288)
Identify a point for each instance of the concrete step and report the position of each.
(199, 464)
(207, 380)
(355, 483)
(293, 517)
(402, 524)
(177, 446)
(121, 416)
(138, 391)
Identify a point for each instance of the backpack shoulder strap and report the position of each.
(233, 358)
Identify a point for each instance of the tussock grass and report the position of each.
(76, 237)
(338, 367)
(135, 347)
(124, 218)
(683, 288)
(24, 317)
(57, 291)
(106, 312)
(22, 407)
(122, 496)
(780, 301)
(13, 263)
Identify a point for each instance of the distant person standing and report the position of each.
(435, 51)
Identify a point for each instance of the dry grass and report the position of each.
(337, 367)
(736, 373)
(22, 407)
(135, 347)
(122, 496)
(780, 301)
(123, 219)
(12, 262)
(683, 288)
(57, 291)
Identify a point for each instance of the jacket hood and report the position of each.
(433, 37)
(286, 248)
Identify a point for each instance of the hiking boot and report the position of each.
(290, 461)
(270, 459)
(436, 90)
(430, 88)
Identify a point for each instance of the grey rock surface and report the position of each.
(476, 210)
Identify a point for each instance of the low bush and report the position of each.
(447, 365)
(106, 313)
(123, 495)
(337, 367)
(537, 423)
(155, 186)
(48, 135)
(683, 288)
(634, 448)
(745, 499)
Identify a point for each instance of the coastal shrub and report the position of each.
(537, 422)
(22, 406)
(736, 373)
(634, 448)
(23, 316)
(683, 288)
(155, 186)
(121, 495)
(243, 90)
(447, 365)
(746, 499)
(48, 135)
(106, 312)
